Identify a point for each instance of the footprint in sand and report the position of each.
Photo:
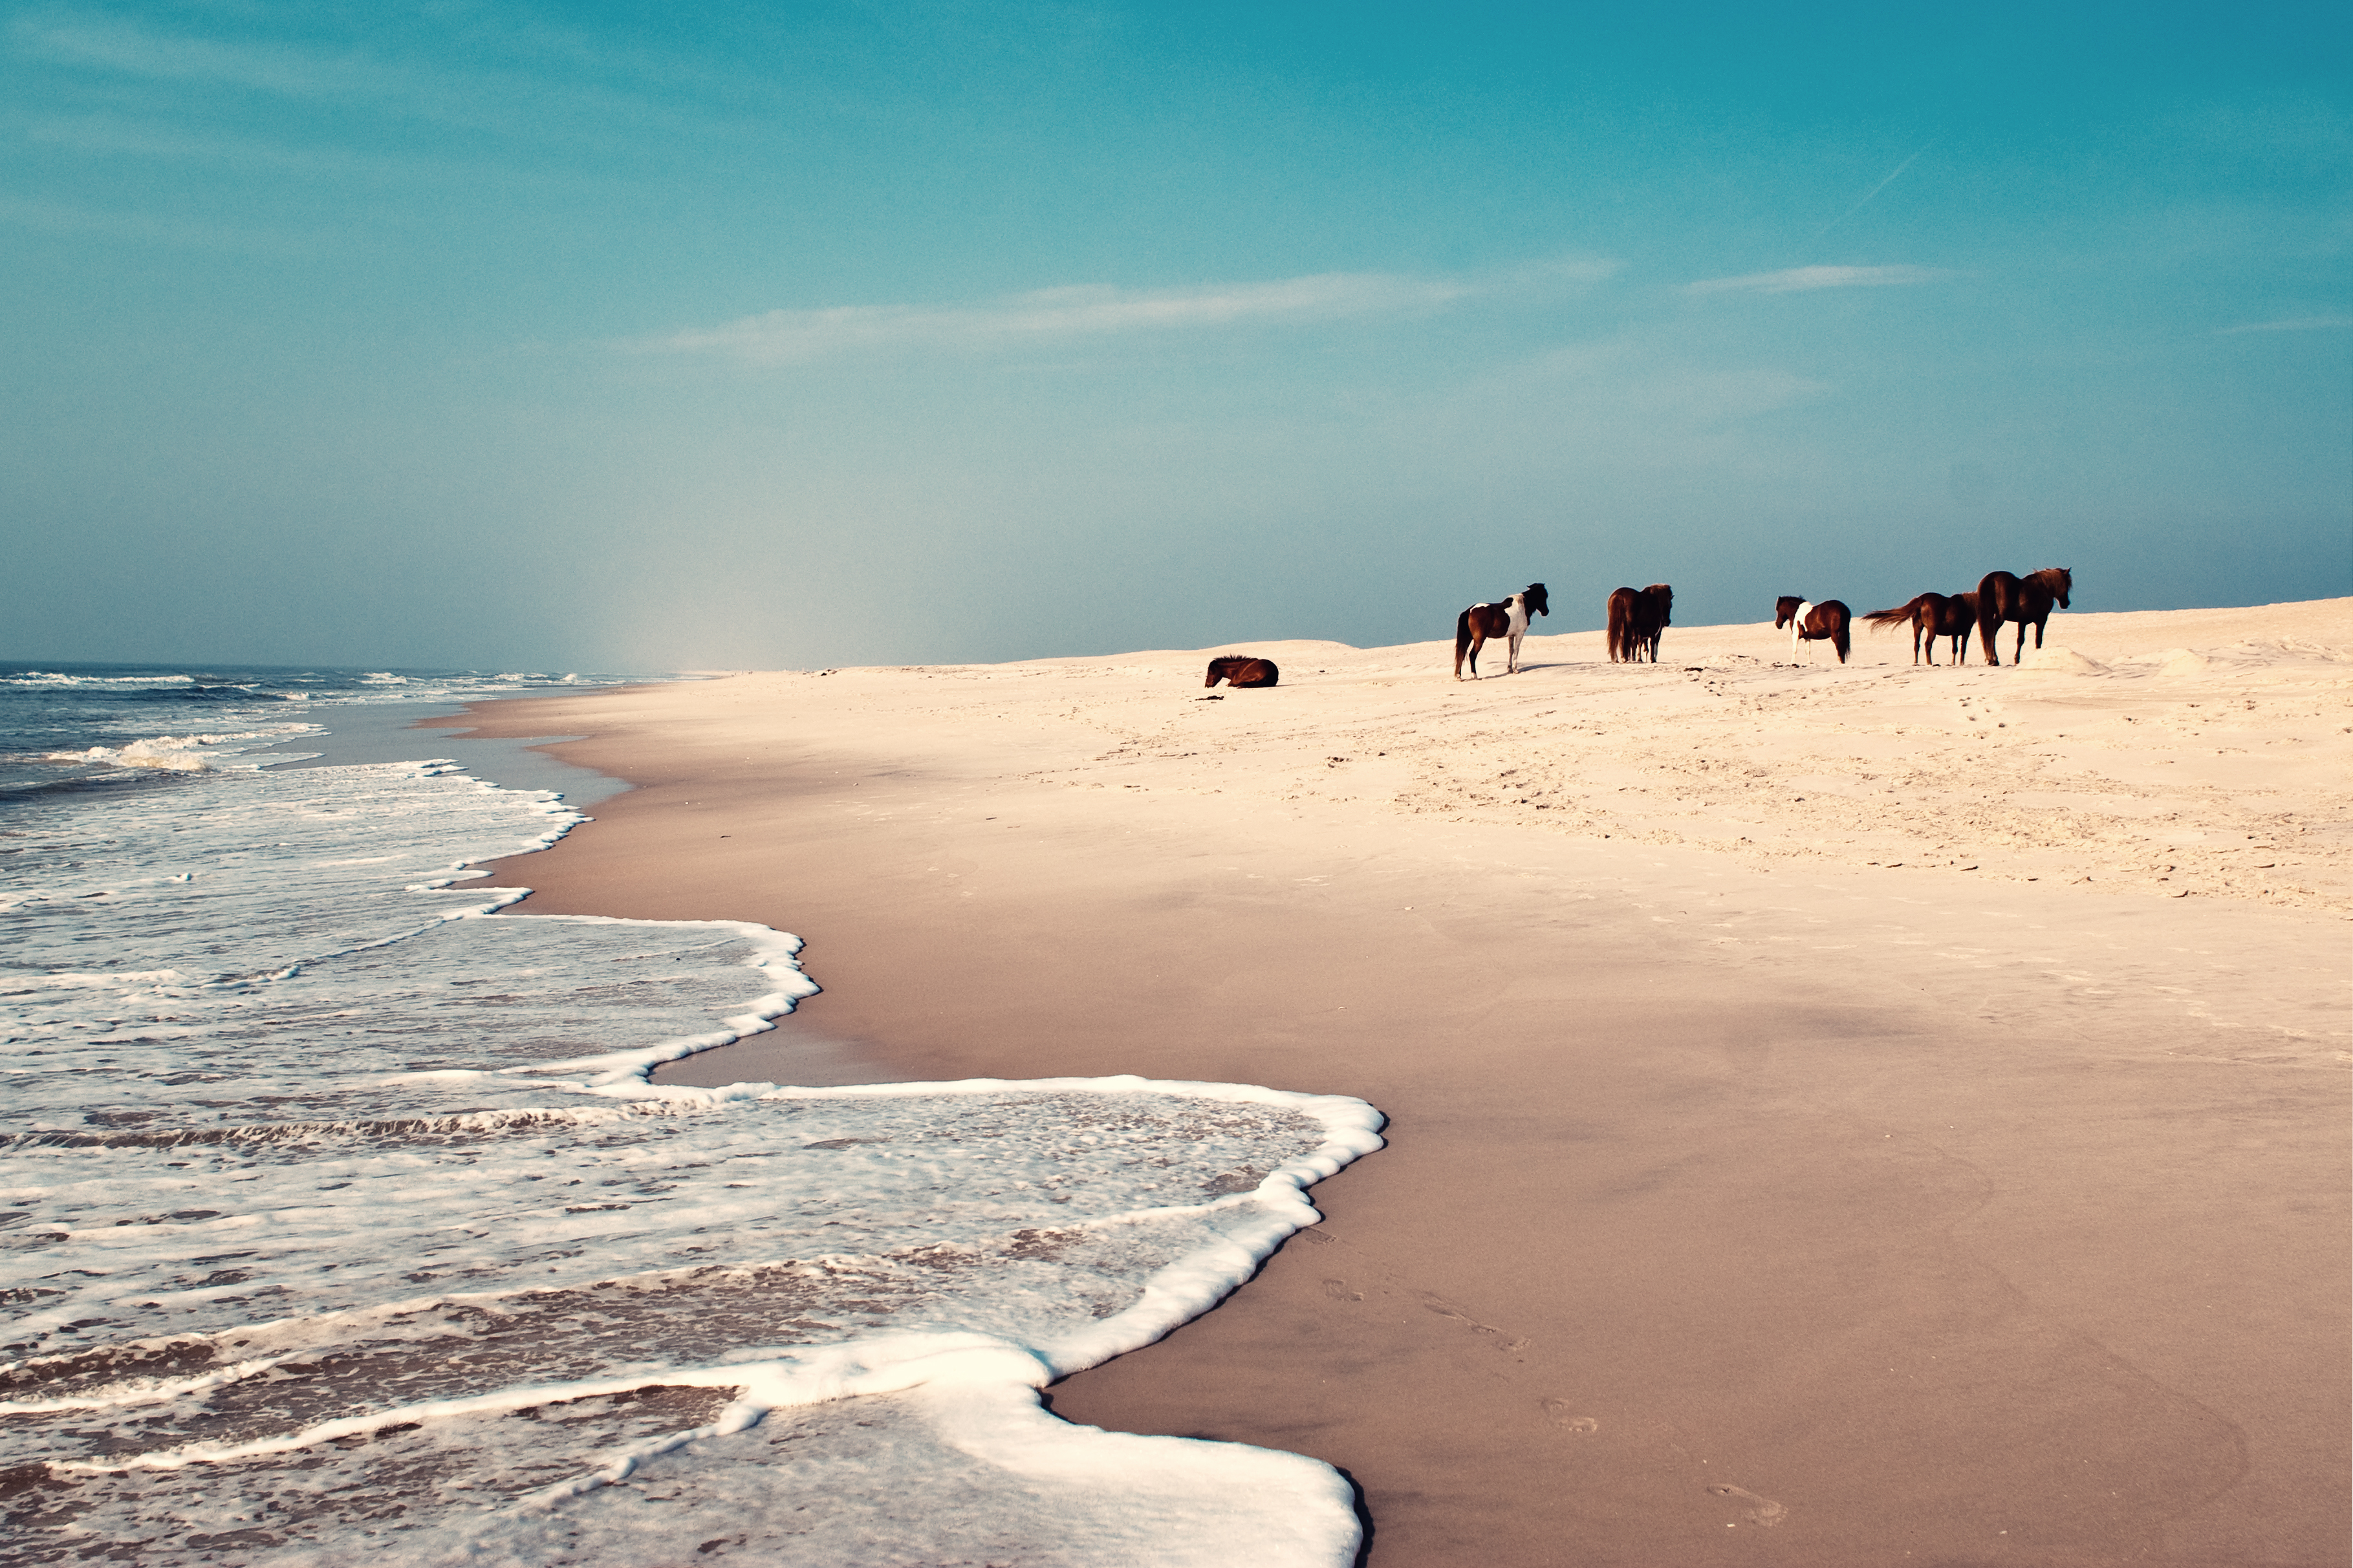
(1433, 1302)
(1338, 1291)
(1557, 1412)
(1766, 1512)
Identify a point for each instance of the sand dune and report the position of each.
(2181, 752)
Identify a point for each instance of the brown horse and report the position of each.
(1238, 670)
(1933, 616)
(1636, 619)
(1826, 622)
(2026, 600)
(1509, 619)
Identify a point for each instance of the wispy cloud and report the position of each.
(63, 220)
(1869, 195)
(1796, 280)
(2295, 324)
(108, 137)
(1096, 311)
(536, 104)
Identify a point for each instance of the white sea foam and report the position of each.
(138, 754)
(63, 681)
(340, 1208)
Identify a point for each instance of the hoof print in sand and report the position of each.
(1557, 1412)
(1765, 1513)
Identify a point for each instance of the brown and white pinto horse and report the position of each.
(2026, 600)
(1239, 669)
(1933, 616)
(1636, 616)
(1826, 622)
(1509, 619)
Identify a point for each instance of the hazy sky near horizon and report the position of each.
(637, 337)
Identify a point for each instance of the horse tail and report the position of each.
(1461, 641)
(1883, 619)
(1840, 629)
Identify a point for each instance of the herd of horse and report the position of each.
(1638, 617)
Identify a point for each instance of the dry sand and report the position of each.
(1839, 1115)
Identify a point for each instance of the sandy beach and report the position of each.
(1856, 1114)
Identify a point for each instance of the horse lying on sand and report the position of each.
(2026, 600)
(1509, 619)
(1808, 622)
(1239, 669)
(1933, 616)
(1636, 619)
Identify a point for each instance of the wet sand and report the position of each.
(1750, 1196)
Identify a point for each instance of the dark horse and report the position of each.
(1826, 622)
(1636, 619)
(1509, 619)
(1239, 669)
(2026, 600)
(1933, 616)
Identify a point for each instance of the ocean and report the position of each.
(340, 1211)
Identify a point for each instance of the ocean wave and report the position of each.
(137, 755)
(61, 682)
(357, 1199)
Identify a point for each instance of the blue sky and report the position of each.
(614, 337)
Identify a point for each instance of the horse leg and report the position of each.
(1512, 663)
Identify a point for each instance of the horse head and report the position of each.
(1533, 597)
(1219, 668)
(2063, 584)
(1783, 608)
(1664, 597)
